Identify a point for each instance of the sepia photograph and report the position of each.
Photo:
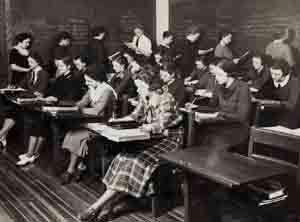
(149, 111)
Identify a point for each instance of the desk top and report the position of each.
(226, 168)
(118, 135)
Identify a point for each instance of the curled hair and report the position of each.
(203, 59)
(83, 58)
(98, 30)
(63, 35)
(22, 36)
(281, 64)
(167, 34)
(122, 61)
(223, 33)
(66, 60)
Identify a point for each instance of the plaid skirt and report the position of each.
(131, 172)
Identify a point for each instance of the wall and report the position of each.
(252, 21)
(44, 18)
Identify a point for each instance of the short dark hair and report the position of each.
(167, 34)
(281, 64)
(225, 64)
(98, 30)
(223, 33)
(194, 29)
(170, 67)
(63, 35)
(82, 58)
(203, 59)
(262, 56)
(67, 60)
(122, 61)
(22, 36)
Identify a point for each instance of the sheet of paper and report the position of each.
(283, 129)
(97, 127)
(201, 116)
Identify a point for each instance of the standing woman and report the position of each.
(18, 58)
(130, 172)
(222, 50)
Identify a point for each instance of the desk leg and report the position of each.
(187, 197)
(55, 141)
(189, 125)
(298, 173)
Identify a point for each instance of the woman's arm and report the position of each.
(19, 68)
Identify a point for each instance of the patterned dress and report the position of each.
(131, 172)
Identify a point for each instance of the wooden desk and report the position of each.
(221, 167)
(276, 139)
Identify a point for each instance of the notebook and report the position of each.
(125, 135)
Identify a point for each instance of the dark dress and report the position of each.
(20, 60)
(97, 55)
(231, 127)
(258, 79)
(67, 87)
(188, 53)
(287, 114)
(177, 90)
(36, 81)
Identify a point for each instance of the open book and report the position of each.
(282, 129)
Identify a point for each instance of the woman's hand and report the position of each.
(146, 128)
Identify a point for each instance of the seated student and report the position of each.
(131, 171)
(122, 82)
(201, 68)
(66, 87)
(98, 98)
(133, 66)
(279, 49)
(167, 46)
(229, 126)
(173, 84)
(259, 73)
(283, 91)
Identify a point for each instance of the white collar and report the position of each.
(283, 82)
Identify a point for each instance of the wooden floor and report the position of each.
(34, 194)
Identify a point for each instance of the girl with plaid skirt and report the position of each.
(130, 172)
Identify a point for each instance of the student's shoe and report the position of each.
(22, 156)
(66, 178)
(26, 160)
(88, 215)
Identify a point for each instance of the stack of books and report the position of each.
(266, 192)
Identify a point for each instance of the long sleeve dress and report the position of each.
(231, 127)
(130, 172)
(99, 100)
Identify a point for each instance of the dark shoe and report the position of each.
(88, 215)
(67, 178)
